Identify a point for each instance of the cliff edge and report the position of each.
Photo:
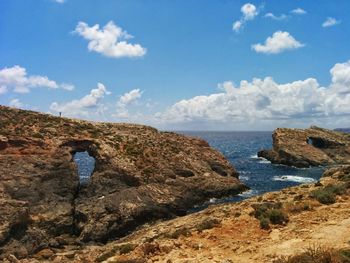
(140, 175)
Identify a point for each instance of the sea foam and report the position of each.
(293, 178)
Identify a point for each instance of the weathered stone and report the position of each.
(136, 179)
(310, 147)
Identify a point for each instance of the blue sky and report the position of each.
(184, 65)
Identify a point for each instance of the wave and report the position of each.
(260, 159)
(244, 177)
(249, 193)
(293, 178)
(263, 160)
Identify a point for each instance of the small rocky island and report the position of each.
(308, 147)
(140, 175)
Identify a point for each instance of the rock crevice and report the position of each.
(140, 175)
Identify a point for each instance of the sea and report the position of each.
(240, 148)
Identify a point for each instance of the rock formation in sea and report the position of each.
(140, 175)
(308, 147)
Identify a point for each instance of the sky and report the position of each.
(180, 64)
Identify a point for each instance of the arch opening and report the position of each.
(317, 142)
(86, 166)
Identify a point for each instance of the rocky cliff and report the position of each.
(140, 175)
(305, 223)
(308, 147)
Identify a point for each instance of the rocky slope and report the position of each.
(141, 175)
(310, 217)
(309, 147)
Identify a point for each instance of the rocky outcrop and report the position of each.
(232, 232)
(141, 174)
(309, 147)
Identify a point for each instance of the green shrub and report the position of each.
(277, 216)
(269, 212)
(264, 223)
(208, 224)
(183, 231)
(324, 197)
(316, 254)
(327, 195)
(127, 248)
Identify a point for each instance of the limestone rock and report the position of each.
(140, 175)
(309, 147)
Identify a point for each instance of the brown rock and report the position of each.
(44, 254)
(310, 147)
(141, 174)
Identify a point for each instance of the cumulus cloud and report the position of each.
(330, 21)
(249, 12)
(110, 41)
(16, 103)
(298, 11)
(16, 79)
(277, 43)
(274, 17)
(82, 106)
(266, 100)
(126, 100)
(341, 73)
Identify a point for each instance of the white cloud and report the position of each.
(330, 21)
(264, 100)
(277, 43)
(249, 12)
(130, 97)
(237, 26)
(16, 103)
(126, 100)
(274, 17)
(16, 79)
(82, 106)
(110, 41)
(341, 73)
(298, 11)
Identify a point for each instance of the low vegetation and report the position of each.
(315, 254)
(269, 212)
(208, 224)
(328, 194)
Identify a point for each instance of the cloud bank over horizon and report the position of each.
(264, 100)
(249, 105)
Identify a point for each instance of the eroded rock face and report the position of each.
(140, 175)
(309, 147)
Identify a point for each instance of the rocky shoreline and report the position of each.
(141, 175)
(299, 221)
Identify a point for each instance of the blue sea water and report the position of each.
(241, 148)
(86, 166)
